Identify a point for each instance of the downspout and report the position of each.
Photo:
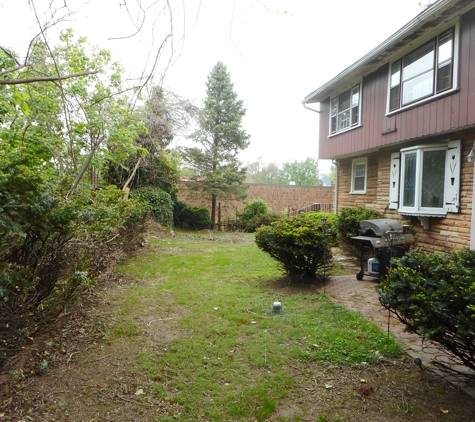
(335, 188)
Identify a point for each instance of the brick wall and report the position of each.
(278, 197)
(446, 233)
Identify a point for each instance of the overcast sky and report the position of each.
(277, 52)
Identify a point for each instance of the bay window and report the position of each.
(425, 180)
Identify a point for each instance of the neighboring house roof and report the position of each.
(436, 14)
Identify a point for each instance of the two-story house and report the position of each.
(400, 126)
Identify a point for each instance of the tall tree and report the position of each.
(221, 137)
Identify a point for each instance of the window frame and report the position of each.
(395, 91)
(350, 114)
(419, 150)
(451, 179)
(354, 163)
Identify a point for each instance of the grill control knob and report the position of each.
(378, 242)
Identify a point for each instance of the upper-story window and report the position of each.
(424, 72)
(345, 110)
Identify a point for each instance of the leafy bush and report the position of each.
(160, 203)
(349, 220)
(50, 248)
(251, 214)
(434, 296)
(190, 217)
(255, 214)
(331, 224)
(298, 243)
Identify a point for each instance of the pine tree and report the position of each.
(221, 137)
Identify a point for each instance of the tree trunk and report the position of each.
(213, 211)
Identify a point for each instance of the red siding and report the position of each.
(446, 114)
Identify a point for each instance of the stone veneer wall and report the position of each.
(279, 197)
(444, 234)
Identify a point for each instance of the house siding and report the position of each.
(443, 116)
(444, 234)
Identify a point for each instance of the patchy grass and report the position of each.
(192, 337)
(233, 362)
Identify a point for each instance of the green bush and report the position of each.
(190, 217)
(256, 213)
(331, 224)
(433, 295)
(250, 216)
(51, 248)
(160, 203)
(349, 220)
(298, 244)
(267, 219)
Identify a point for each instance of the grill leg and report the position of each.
(360, 273)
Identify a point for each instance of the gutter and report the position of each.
(406, 29)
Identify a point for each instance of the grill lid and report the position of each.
(379, 227)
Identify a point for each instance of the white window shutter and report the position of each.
(452, 176)
(394, 181)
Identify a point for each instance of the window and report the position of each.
(358, 175)
(423, 73)
(345, 110)
(428, 179)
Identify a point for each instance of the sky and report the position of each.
(276, 51)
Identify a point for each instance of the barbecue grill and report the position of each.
(386, 239)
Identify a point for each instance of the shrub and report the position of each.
(190, 217)
(160, 203)
(255, 214)
(434, 296)
(298, 244)
(251, 215)
(349, 220)
(331, 224)
(51, 248)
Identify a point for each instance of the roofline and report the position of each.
(425, 15)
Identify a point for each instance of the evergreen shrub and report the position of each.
(190, 217)
(255, 214)
(299, 244)
(433, 295)
(350, 217)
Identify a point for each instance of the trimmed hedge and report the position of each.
(299, 244)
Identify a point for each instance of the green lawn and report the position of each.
(231, 355)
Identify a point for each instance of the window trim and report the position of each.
(452, 181)
(354, 163)
(336, 99)
(453, 26)
(418, 208)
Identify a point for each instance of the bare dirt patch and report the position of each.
(93, 376)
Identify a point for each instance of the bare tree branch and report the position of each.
(45, 78)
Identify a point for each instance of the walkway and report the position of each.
(361, 296)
